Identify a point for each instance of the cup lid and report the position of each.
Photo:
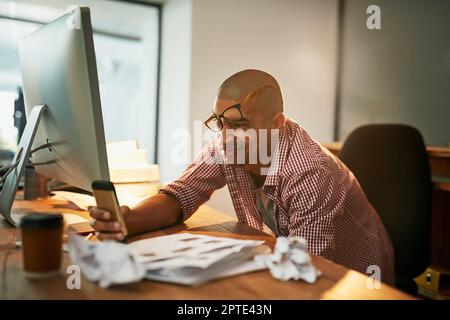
(41, 221)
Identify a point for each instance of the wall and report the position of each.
(400, 73)
(294, 40)
(175, 81)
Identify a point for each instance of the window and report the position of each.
(8, 133)
(126, 45)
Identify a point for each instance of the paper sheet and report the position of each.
(106, 262)
(83, 201)
(70, 218)
(186, 250)
(188, 259)
(290, 260)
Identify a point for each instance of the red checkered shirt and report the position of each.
(315, 196)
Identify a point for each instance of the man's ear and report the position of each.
(279, 121)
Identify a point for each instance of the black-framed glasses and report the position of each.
(216, 122)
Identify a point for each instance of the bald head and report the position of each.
(257, 91)
(249, 103)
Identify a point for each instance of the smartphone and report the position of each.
(106, 198)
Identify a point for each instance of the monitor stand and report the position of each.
(10, 185)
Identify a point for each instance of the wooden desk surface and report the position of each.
(336, 282)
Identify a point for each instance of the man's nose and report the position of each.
(228, 134)
(233, 137)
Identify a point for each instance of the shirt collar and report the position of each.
(278, 160)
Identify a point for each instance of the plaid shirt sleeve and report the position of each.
(311, 211)
(195, 186)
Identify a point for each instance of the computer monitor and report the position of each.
(64, 116)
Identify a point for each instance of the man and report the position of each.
(303, 190)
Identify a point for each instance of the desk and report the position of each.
(336, 282)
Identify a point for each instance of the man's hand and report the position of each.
(105, 228)
(156, 212)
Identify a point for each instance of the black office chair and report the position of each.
(391, 164)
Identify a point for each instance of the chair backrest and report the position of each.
(391, 164)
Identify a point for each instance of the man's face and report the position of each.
(240, 134)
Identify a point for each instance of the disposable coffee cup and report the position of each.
(42, 244)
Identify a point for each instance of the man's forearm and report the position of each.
(157, 212)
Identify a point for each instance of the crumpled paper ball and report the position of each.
(290, 260)
(106, 262)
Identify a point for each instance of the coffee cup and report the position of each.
(42, 244)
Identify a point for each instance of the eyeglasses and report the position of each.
(216, 122)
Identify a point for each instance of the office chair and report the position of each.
(391, 164)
